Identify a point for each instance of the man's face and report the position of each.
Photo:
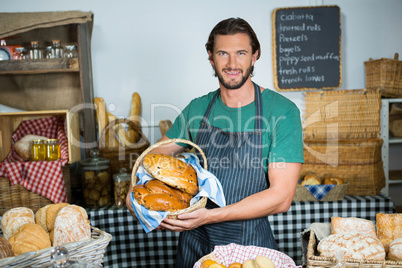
(232, 59)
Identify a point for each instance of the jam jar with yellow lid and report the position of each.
(97, 181)
(38, 150)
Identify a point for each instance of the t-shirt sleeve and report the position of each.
(287, 139)
(179, 129)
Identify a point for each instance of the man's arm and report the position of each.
(276, 199)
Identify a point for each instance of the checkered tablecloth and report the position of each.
(132, 247)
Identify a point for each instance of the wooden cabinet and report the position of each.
(52, 84)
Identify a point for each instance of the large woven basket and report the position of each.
(386, 75)
(122, 156)
(342, 114)
(134, 179)
(314, 260)
(12, 196)
(91, 251)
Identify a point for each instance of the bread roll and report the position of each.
(140, 192)
(40, 217)
(395, 250)
(207, 263)
(217, 265)
(310, 179)
(389, 228)
(14, 218)
(342, 225)
(249, 264)
(355, 245)
(235, 265)
(172, 171)
(336, 181)
(157, 186)
(29, 237)
(264, 262)
(5, 248)
(51, 214)
(163, 202)
(23, 146)
(71, 225)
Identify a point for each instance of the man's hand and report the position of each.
(186, 221)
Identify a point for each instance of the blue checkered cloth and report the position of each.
(319, 191)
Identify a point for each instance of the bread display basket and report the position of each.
(134, 179)
(91, 251)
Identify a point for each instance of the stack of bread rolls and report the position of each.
(312, 179)
(174, 184)
(52, 225)
(389, 231)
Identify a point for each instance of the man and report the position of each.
(252, 138)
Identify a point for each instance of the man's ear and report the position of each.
(255, 57)
(210, 58)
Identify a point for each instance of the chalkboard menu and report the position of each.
(306, 48)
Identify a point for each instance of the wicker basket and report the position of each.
(313, 260)
(342, 114)
(122, 156)
(87, 251)
(386, 75)
(201, 203)
(342, 152)
(336, 193)
(362, 179)
(12, 196)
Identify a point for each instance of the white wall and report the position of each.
(156, 47)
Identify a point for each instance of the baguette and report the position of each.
(164, 126)
(111, 140)
(101, 118)
(135, 112)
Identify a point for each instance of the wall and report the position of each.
(156, 48)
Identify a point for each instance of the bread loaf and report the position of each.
(23, 146)
(389, 228)
(342, 225)
(157, 186)
(163, 202)
(172, 171)
(334, 180)
(5, 248)
(355, 245)
(29, 237)
(395, 250)
(71, 225)
(249, 264)
(40, 217)
(14, 218)
(51, 214)
(310, 179)
(264, 262)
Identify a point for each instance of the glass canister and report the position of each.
(70, 51)
(57, 51)
(48, 54)
(35, 51)
(97, 181)
(20, 53)
(38, 150)
(121, 182)
(52, 149)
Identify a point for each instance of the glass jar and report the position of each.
(20, 53)
(38, 150)
(121, 182)
(52, 149)
(57, 51)
(35, 52)
(48, 54)
(70, 51)
(96, 179)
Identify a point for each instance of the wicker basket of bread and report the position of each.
(356, 242)
(29, 239)
(174, 184)
(337, 192)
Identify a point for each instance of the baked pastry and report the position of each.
(235, 265)
(342, 225)
(395, 250)
(389, 227)
(5, 248)
(14, 218)
(157, 186)
(29, 237)
(355, 245)
(310, 179)
(264, 262)
(334, 180)
(172, 171)
(71, 225)
(23, 146)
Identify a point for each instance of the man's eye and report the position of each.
(222, 53)
(242, 53)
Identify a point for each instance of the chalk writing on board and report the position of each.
(306, 48)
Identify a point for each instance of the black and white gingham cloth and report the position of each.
(132, 247)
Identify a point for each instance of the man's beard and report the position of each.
(233, 84)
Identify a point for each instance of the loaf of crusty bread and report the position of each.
(5, 248)
(159, 187)
(163, 202)
(172, 171)
(355, 245)
(310, 179)
(71, 225)
(14, 218)
(40, 217)
(23, 146)
(389, 228)
(51, 214)
(342, 225)
(395, 250)
(29, 237)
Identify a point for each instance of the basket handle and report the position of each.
(396, 56)
(134, 178)
(138, 144)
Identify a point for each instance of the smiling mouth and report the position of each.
(232, 72)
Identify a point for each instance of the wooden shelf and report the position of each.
(39, 66)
